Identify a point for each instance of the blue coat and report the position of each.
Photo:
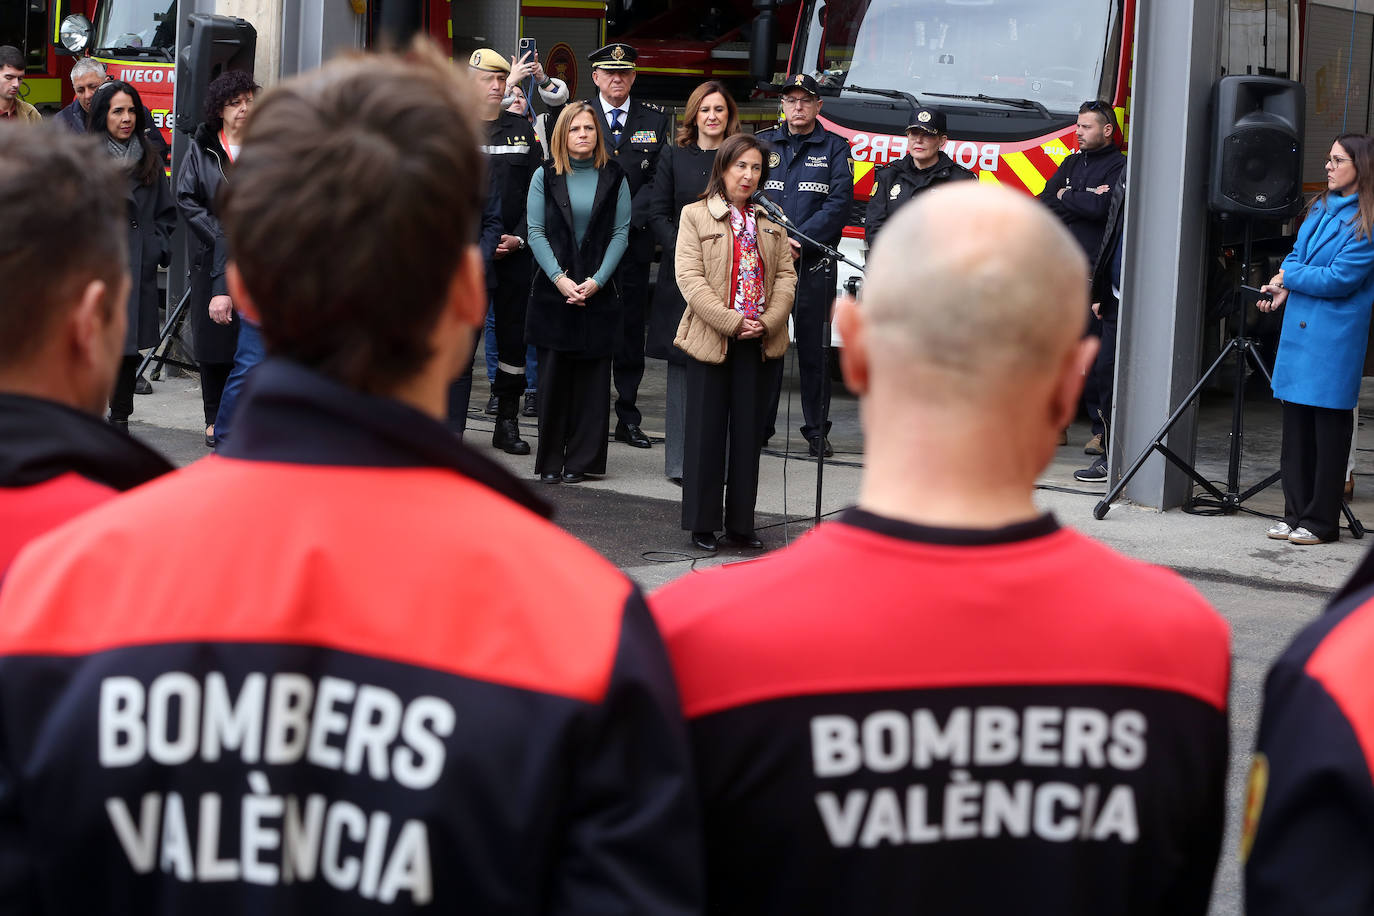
(1330, 280)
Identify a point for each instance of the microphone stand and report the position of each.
(776, 214)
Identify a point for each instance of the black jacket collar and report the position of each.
(208, 140)
(294, 415)
(41, 439)
(950, 537)
(941, 165)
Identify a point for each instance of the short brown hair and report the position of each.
(728, 155)
(62, 197)
(558, 140)
(687, 134)
(356, 194)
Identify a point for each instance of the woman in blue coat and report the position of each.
(1328, 284)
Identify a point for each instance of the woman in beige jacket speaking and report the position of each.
(734, 269)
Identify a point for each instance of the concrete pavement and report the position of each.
(631, 514)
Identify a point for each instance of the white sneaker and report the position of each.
(1301, 535)
(1279, 531)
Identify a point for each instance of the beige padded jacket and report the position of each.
(705, 254)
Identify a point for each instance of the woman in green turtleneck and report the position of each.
(579, 224)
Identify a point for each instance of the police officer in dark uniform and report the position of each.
(925, 166)
(635, 131)
(513, 154)
(811, 178)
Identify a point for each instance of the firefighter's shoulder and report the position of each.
(1334, 651)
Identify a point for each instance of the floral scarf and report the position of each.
(748, 294)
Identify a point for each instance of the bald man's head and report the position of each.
(972, 292)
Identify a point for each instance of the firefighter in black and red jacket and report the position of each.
(1039, 726)
(379, 703)
(1309, 817)
(60, 340)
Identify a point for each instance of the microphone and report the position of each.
(772, 209)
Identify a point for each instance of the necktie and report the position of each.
(615, 121)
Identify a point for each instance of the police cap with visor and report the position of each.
(927, 120)
(615, 56)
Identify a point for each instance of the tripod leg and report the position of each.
(1259, 360)
(1356, 529)
(168, 330)
(1157, 441)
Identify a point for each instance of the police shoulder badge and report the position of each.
(774, 160)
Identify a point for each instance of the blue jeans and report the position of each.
(489, 350)
(247, 354)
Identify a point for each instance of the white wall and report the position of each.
(266, 17)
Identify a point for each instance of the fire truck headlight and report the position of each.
(75, 33)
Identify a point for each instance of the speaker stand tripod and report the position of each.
(1241, 346)
(170, 329)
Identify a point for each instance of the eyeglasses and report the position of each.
(798, 101)
(1336, 161)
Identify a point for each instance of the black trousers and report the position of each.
(212, 379)
(725, 406)
(1092, 391)
(1316, 445)
(1103, 372)
(459, 394)
(122, 400)
(627, 366)
(508, 301)
(573, 411)
(810, 316)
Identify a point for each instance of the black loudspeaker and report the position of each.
(1256, 168)
(214, 44)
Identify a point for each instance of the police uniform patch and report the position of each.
(643, 136)
(774, 160)
(618, 52)
(896, 189)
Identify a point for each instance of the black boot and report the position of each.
(506, 437)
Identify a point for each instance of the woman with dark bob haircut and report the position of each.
(734, 267)
(709, 117)
(117, 121)
(209, 160)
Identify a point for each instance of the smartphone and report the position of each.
(527, 47)
(1252, 294)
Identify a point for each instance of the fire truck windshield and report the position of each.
(1046, 51)
(146, 27)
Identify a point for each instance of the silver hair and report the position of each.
(86, 65)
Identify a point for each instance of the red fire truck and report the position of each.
(134, 39)
(30, 26)
(1009, 75)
